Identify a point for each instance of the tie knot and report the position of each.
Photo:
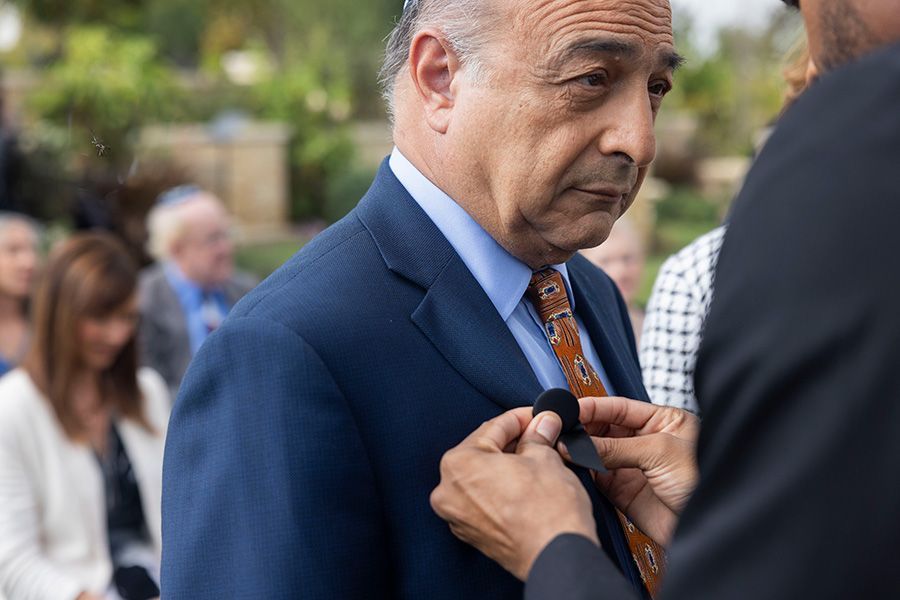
(547, 292)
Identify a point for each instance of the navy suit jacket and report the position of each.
(307, 437)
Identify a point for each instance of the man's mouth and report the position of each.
(604, 194)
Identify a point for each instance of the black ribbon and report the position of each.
(582, 451)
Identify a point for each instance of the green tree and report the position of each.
(124, 13)
(102, 88)
(738, 88)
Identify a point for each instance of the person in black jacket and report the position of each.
(797, 378)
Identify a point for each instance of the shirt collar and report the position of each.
(188, 292)
(502, 276)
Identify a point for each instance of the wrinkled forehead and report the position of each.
(558, 30)
(203, 210)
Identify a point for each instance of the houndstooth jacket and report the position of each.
(673, 325)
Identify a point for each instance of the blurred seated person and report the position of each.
(622, 257)
(188, 293)
(18, 265)
(81, 438)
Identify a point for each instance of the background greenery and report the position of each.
(109, 67)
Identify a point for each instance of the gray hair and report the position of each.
(465, 28)
(166, 221)
(13, 218)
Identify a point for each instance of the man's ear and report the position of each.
(433, 67)
(176, 248)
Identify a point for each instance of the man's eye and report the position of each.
(659, 89)
(593, 79)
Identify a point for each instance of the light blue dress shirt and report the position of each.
(191, 297)
(503, 277)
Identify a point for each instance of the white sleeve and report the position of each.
(25, 574)
(673, 327)
(157, 400)
(671, 338)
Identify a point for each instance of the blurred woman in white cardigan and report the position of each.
(81, 438)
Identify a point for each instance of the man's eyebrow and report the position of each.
(669, 59)
(593, 47)
(672, 60)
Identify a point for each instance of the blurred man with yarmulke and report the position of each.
(193, 286)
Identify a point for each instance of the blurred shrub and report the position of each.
(44, 188)
(125, 13)
(177, 27)
(316, 105)
(685, 204)
(263, 259)
(681, 217)
(116, 65)
(737, 89)
(344, 192)
(102, 88)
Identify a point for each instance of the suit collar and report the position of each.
(455, 314)
(410, 244)
(502, 276)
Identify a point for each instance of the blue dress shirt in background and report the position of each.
(192, 299)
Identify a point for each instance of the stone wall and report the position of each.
(245, 163)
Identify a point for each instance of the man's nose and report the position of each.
(630, 131)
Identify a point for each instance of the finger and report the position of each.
(631, 493)
(542, 432)
(616, 411)
(642, 452)
(499, 432)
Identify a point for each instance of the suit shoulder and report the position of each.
(319, 276)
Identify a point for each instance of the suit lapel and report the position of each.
(455, 314)
(599, 313)
(462, 323)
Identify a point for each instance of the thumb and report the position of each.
(542, 431)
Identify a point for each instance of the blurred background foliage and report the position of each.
(736, 89)
(109, 67)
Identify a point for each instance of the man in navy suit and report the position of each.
(796, 466)
(306, 439)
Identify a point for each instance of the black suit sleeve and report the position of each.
(572, 567)
(798, 376)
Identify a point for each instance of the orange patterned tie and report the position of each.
(551, 300)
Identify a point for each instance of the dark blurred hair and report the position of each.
(88, 276)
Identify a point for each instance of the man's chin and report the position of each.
(591, 239)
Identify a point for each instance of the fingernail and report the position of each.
(548, 427)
